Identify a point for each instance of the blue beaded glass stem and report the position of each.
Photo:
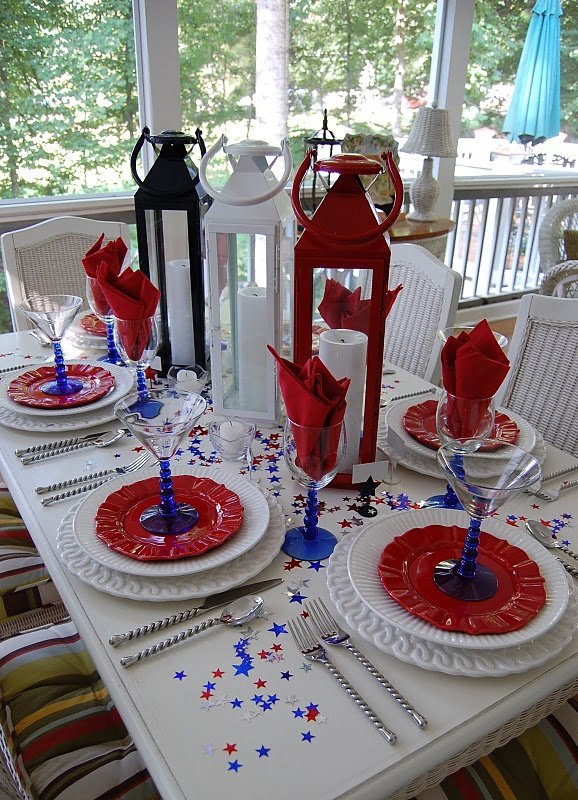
(141, 382)
(311, 517)
(467, 565)
(60, 369)
(112, 355)
(168, 504)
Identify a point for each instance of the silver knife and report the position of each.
(551, 475)
(42, 448)
(86, 487)
(395, 397)
(214, 601)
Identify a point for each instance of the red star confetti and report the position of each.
(230, 748)
(260, 684)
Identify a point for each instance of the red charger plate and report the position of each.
(406, 573)
(93, 325)
(420, 422)
(26, 389)
(117, 519)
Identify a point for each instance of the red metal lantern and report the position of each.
(343, 246)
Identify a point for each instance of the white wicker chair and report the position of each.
(561, 280)
(427, 302)
(47, 258)
(541, 384)
(562, 216)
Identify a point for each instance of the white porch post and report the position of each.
(451, 51)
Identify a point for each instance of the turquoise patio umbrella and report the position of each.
(534, 113)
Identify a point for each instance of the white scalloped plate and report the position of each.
(253, 528)
(410, 453)
(123, 381)
(184, 587)
(435, 656)
(365, 554)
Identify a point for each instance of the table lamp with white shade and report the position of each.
(430, 136)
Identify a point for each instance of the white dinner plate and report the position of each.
(180, 587)
(365, 554)
(123, 381)
(435, 656)
(253, 527)
(409, 452)
(82, 338)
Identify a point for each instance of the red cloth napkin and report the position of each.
(316, 399)
(342, 308)
(133, 298)
(113, 254)
(473, 368)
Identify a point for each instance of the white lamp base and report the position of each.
(423, 194)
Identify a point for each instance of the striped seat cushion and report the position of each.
(62, 730)
(540, 764)
(20, 564)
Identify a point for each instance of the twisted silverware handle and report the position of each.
(395, 397)
(11, 369)
(407, 707)
(86, 487)
(358, 700)
(60, 451)
(152, 627)
(93, 476)
(41, 448)
(569, 569)
(128, 661)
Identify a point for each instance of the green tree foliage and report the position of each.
(68, 107)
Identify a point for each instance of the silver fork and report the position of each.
(549, 495)
(94, 476)
(313, 651)
(332, 634)
(95, 483)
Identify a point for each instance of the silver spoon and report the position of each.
(237, 614)
(542, 534)
(118, 434)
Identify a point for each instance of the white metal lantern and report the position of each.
(250, 238)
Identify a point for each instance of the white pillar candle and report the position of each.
(252, 347)
(180, 312)
(344, 353)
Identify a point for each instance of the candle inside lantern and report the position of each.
(180, 311)
(252, 351)
(344, 353)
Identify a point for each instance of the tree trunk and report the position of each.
(398, 81)
(272, 70)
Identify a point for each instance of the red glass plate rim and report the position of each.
(111, 528)
(506, 611)
(25, 389)
(505, 429)
(93, 325)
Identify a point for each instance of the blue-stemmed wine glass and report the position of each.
(177, 413)
(483, 483)
(459, 420)
(52, 315)
(100, 307)
(137, 341)
(313, 455)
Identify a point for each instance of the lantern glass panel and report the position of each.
(243, 311)
(352, 279)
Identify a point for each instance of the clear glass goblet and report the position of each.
(52, 315)
(176, 414)
(232, 439)
(100, 307)
(137, 341)
(455, 330)
(313, 455)
(483, 483)
(459, 420)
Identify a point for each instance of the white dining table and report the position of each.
(240, 712)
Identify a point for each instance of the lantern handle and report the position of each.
(344, 238)
(226, 197)
(146, 136)
(145, 133)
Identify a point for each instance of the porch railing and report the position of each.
(494, 245)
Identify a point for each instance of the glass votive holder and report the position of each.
(192, 378)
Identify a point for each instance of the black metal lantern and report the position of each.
(325, 145)
(169, 244)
